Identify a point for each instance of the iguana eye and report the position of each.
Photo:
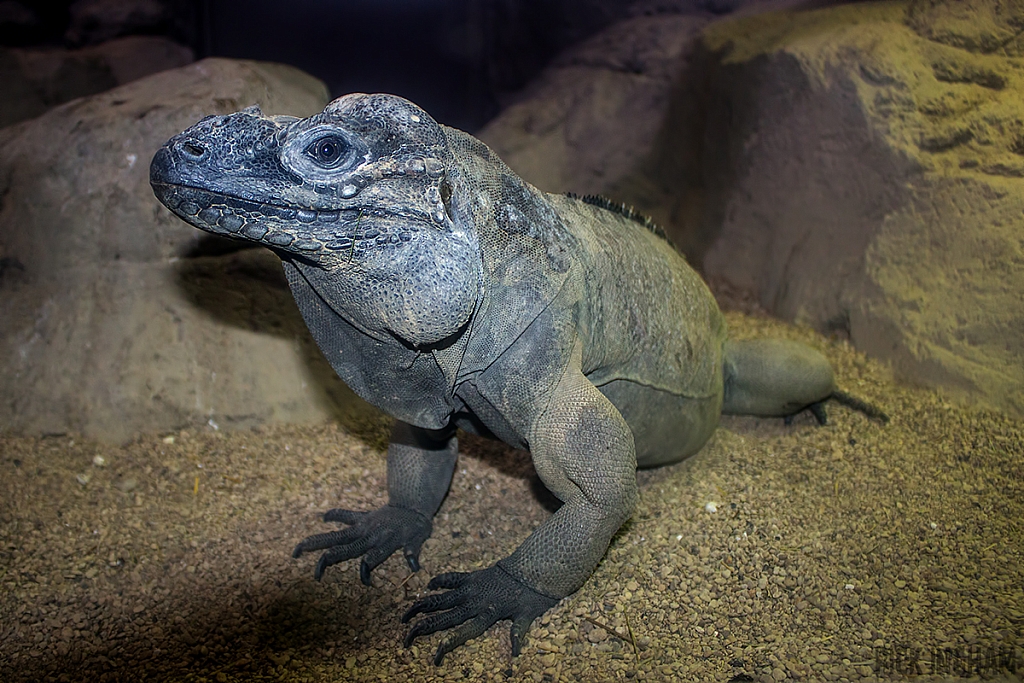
(327, 151)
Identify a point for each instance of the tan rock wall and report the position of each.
(885, 200)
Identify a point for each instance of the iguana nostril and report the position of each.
(193, 150)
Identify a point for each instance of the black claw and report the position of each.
(417, 608)
(321, 565)
(414, 562)
(788, 420)
(516, 636)
(364, 573)
(298, 551)
(446, 646)
(415, 632)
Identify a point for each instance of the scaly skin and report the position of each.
(448, 292)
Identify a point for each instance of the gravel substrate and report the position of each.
(855, 551)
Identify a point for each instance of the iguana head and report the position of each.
(359, 192)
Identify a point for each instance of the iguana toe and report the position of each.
(373, 535)
(474, 602)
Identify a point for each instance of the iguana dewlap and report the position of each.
(448, 292)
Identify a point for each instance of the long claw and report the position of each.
(371, 560)
(340, 554)
(520, 626)
(413, 560)
(439, 622)
(321, 565)
(435, 603)
(469, 630)
(364, 573)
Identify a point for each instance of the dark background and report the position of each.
(461, 60)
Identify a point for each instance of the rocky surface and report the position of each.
(856, 168)
(593, 116)
(36, 79)
(854, 552)
(875, 187)
(119, 317)
(596, 117)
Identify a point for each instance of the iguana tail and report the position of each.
(857, 404)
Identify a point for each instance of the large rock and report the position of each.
(36, 79)
(871, 184)
(622, 113)
(116, 316)
(593, 116)
(855, 168)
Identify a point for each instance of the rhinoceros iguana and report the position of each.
(448, 292)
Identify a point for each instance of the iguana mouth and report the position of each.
(277, 226)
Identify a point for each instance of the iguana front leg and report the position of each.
(420, 467)
(583, 451)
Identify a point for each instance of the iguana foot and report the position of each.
(816, 409)
(474, 602)
(375, 535)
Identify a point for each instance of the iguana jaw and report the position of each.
(307, 232)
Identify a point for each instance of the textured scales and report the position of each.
(448, 292)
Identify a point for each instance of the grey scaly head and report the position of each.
(357, 192)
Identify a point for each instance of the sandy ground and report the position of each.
(855, 551)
